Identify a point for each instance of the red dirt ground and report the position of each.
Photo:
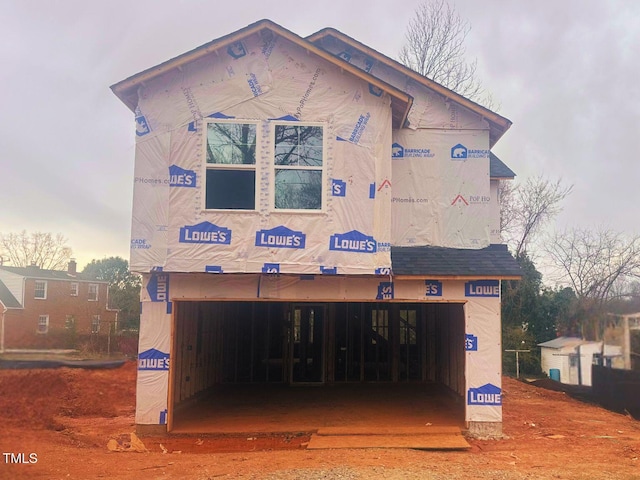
(66, 417)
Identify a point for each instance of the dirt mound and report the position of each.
(33, 398)
(548, 435)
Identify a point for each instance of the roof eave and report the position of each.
(126, 90)
(499, 123)
(456, 277)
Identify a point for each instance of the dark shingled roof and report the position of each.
(7, 298)
(36, 272)
(492, 261)
(497, 168)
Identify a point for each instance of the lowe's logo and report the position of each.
(368, 64)
(153, 359)
(482, 288)
(142, 127)
(376, 91)
(280, 237)
(328, 270)
(433, 288)
(338, 188)
(271, 268)
(470, 342)
(459, 152)
(236, 50)
(179, 177)
(353, 241)
(205, 232)
(158, 287)
(485, 395)
(385, 291)
(346, 56)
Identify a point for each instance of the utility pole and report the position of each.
(518, 360)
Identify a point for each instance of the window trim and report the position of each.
(236, 167)
(75, 288)
(95, 324)
(97, 296)
(46, 324)
(35, 289)
(273, 167)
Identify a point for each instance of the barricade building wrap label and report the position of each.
(441, 178)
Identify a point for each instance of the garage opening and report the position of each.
(227, 355)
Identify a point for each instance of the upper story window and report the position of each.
(40, 289)
(230, 165)
(74, 289)
(299, 166)
(93, 292)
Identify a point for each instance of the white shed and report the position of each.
(569, 359)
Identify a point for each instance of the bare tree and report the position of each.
(525, 209)
(37, 248)
(595, 263)
(434, 47)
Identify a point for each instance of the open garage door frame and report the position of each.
(266, 342)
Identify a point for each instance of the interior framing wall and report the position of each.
(209, 349)
(449, 331)
(477, 377)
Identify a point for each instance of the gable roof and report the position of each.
(498, 124)
(494, 261)
(7, 298)
(562, 342)
(498, 169)
(39, 273)
(127, 90)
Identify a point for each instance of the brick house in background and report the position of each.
(51, 308)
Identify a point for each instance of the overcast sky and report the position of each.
(565, 72)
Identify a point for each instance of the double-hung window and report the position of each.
(93, 292)
(298, 166)
(40, 290)
(95, 324)
(230, 165)
(43, 324)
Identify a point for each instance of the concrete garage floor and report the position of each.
(280, 408)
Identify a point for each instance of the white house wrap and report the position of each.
(274, 172)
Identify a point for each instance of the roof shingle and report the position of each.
(36, 272)
(498, 169)
(493, 261)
